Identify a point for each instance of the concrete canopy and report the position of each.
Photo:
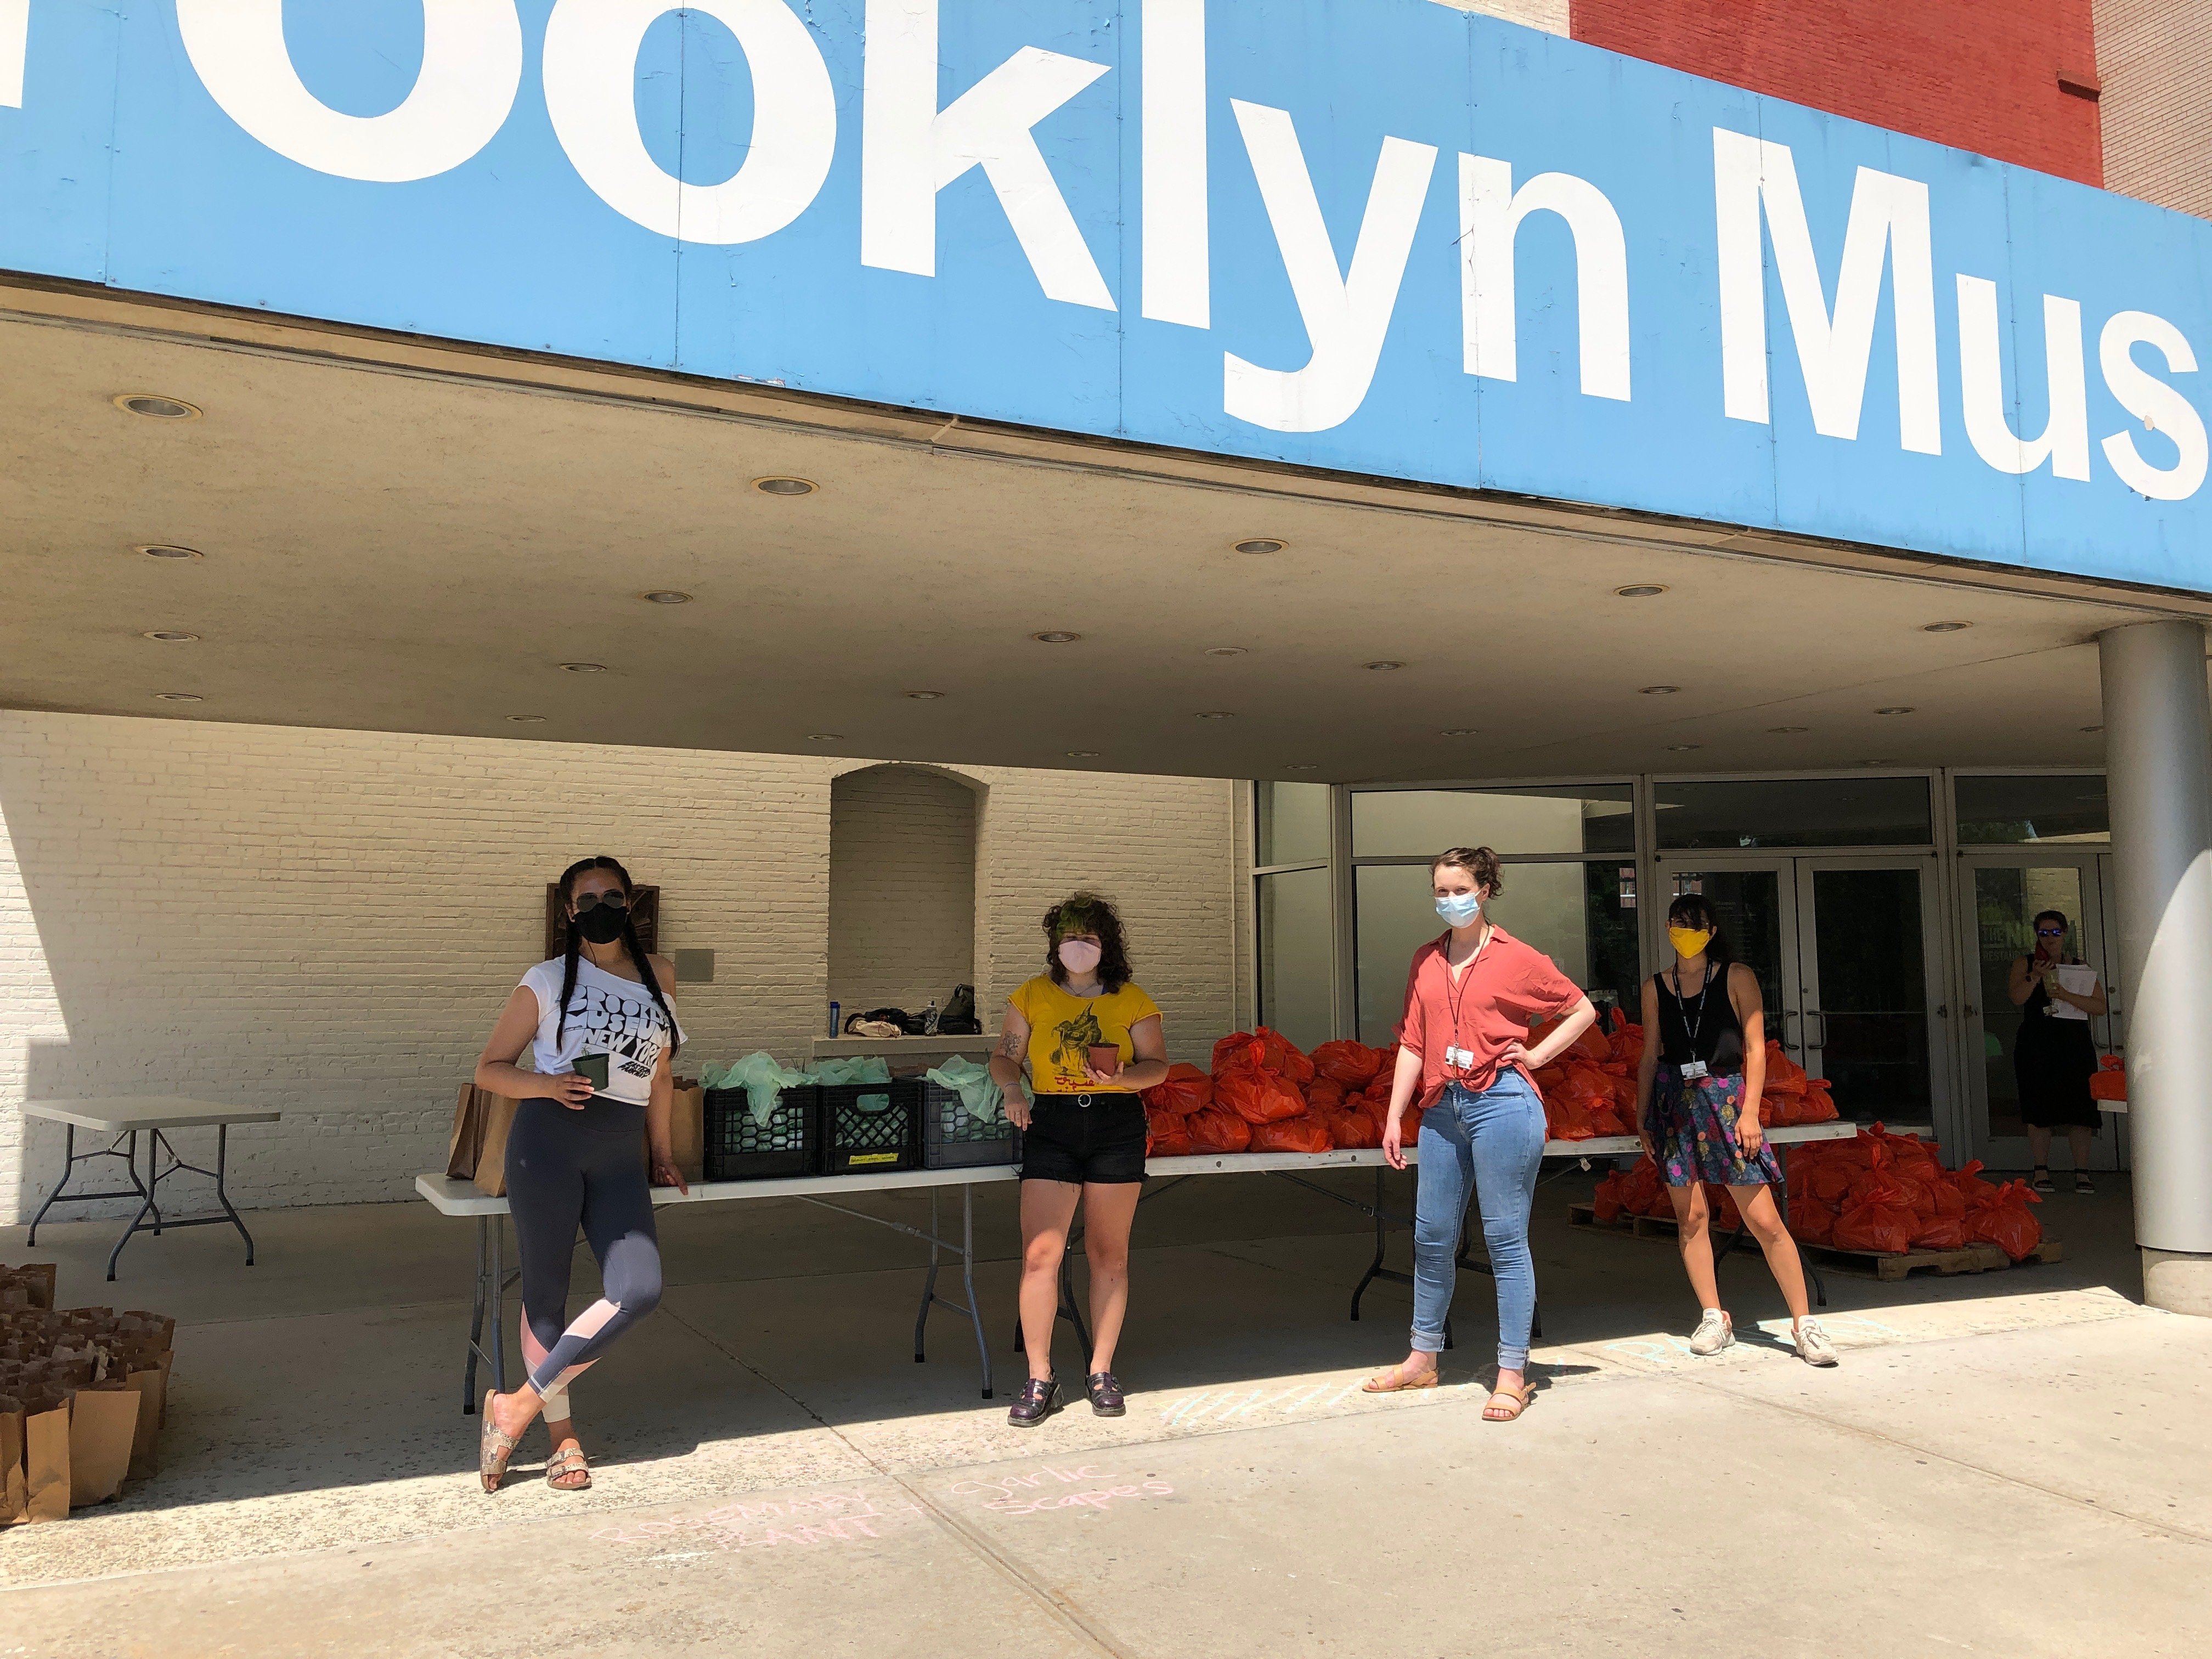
(399, 535)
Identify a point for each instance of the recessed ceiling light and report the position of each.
(1659, 690)
(2092, 728)
(1383, 667)
(1641, 591)
(1215, 714)
(1682, 748)
(1083, 754)
(1787, 731)
(1901, 708)
(168, 635)
(154, 407)
(925, 697)
(1459, 731)
(1261, 544)
(1058, 637)
(1877, 763)
(1945, 628)
(584, 667)
(527, 720)
(666, 596)
(165, 550)
(1224, 651)
(825, 737)
(1308, 766)
(784, 486)
(180, 697)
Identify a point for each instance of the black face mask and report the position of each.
(602, 924)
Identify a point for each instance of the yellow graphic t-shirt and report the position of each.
(1062, 1028)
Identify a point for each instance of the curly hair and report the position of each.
(1088, 913)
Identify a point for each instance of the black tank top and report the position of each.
(1709, 1013)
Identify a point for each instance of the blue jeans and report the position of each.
(1493, 1140)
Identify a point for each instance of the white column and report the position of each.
(2158, 760)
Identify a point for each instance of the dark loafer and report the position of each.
(1105, 1394)
(1039, 1401)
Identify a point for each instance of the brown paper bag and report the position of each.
(13, 1493)
(30, 1285)
(47, 1460)
(497, 1112)
(103, 1424)
(152, 1387)
(687, 1133)
(161, 1328)
(467, 1137)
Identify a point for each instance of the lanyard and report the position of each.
(1456, 991)
(1703, 991)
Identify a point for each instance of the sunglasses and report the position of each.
(2051, 932)
(586, 902)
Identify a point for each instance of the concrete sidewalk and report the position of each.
(2013, 1462)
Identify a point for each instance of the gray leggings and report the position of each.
(569, 1168)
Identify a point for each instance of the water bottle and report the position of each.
(835, 1024)
(929, 1018)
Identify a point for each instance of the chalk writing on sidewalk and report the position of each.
(1242, 1404)
(1047, 1489)
(817, 1518)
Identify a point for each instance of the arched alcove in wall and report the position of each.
(902, 887)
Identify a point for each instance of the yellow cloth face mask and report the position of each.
(1689, 941)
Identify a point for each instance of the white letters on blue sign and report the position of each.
(471, 66)
(910, 151)
(1490, 215)
(1177, 282)
(2156, 404)
(1346, 317)
(14, 44)
(1889, 216)
(590, 93)
(2065, 439)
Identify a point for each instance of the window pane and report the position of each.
(1576, 817)
(2010, 810)
(1293, 822)
(1295, 953)
(1798, 812)
(1581, 916)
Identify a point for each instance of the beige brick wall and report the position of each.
(2154, 58)
(327, 922)
(1550, 16)
(902, 887)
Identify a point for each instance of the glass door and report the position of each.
(2002, 892)
(1866, 937)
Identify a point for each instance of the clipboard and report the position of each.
(2079, 978)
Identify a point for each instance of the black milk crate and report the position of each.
(857, 1142)
(788, 1144)
(952, 1139)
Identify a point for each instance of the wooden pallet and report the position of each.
(1974, 1259)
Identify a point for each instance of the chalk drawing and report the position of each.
(1044, 1489)
(809, 1520)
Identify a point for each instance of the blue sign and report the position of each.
(1387, 237)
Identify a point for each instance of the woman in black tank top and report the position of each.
(1696, 1092)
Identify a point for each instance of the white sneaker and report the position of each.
(1715, 1332)
(1813, 1344)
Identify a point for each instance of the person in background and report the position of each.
(2054, 1056)
(1093, 1042)
(601, 1034)
(1471, 995)
(1697, 1113)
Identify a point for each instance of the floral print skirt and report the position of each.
(1693, 1128)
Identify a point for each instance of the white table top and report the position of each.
(116, 1115)
(452, 1197)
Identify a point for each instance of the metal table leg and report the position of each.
(71, 1158)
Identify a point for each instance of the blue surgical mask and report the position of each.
(1460, 908)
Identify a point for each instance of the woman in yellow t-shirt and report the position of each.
(1092, 1041)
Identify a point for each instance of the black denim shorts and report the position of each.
(1086, 1138)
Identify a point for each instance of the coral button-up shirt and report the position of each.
(1504, 991)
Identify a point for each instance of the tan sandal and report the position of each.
(1517, 1401)
(566, 1463)
(494, 1448)
(1394, 1381)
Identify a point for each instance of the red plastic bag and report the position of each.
(1353, 1064)
(1216, 1131)
(1354, 1130)
(1257, 1096)
(1605, 1202)
(1815, 1223)
(1293, 1134)
(1268, 1051)
(1184, 1090)
(1166, 1135)
(2110, 1082)
(1325, 1094)
(1886, 1228)
(2007, 1223)
(1939, 1233)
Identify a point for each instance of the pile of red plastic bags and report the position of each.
(1877, 1192)
(1265, 1095)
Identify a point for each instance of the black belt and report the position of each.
(1102, 1097)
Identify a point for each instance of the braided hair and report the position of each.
(567, 890)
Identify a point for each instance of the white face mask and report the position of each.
(1460, 908)
(1079, 955)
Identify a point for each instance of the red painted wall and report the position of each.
(1980, 73)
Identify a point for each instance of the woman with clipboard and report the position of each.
(2054, 1056)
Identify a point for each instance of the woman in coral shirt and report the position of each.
(1470, 998)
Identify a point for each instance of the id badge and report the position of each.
(1462, 1058)
(1693, 1070)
